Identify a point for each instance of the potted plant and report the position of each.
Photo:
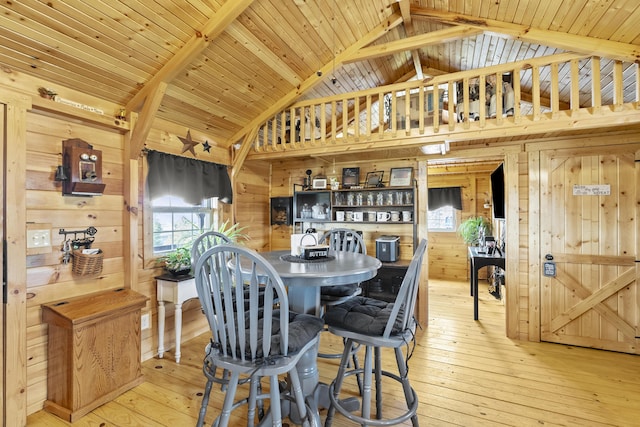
(178, 261)
(473, 228)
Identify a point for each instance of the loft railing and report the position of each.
(492, 96)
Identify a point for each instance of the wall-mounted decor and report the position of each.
(374, 179)
(319, 184)
(281, 210)
(401, 177)
(350, 177)
(83, 167)
(188, 143)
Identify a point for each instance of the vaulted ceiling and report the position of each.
(223, 66)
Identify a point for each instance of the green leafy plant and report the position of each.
(233, 232)
(180, 258)
(470, 229)
(177, 260)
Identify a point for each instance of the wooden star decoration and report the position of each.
(188, 143)
(206, 147)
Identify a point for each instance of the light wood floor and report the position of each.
(466, 373)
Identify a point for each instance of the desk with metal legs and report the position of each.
(477, 260)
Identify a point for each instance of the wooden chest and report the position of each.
(94, 350)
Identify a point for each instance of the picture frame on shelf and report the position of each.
(401, 177)
(319, 184)
(350, 177)
(374, 179)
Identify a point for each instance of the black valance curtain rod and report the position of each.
(190, 179)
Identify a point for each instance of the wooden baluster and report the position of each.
(368, 116)
(596, 85)
(465, 103)
(451, 107)
(517, 95)
(407, 112)
(334, 120)
(292, 127)
(535, 88)
(323, 123)
(345, 119)
(356, 117)
(499, 100)
(618, 88)
(554, 95)
(575, 86)
(436, 108)
(422, 110)
(482, 100)
(381, 108)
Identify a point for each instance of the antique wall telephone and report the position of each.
(83, 166)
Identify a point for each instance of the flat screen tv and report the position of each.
(497, 192)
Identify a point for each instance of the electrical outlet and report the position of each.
(38, 238)
(145, 321)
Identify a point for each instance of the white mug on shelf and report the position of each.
(358, 216)
(339, 215)
(371, 216)
(406, 216)
(349, 216)
(383, 216)
(394, 216)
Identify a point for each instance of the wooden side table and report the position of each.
(94, 350)
(177, 290)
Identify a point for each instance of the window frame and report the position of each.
(454, 225)
(208, 207)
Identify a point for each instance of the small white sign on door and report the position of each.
(592, 190)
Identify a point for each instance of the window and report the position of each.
(442, 219)
(176, 223)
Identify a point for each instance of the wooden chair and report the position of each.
(250, 338)
(341, 240)
(205, 241)
(377, 324)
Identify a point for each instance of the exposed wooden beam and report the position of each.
(560, 40)
(242, 153)
(392, 22)
(415, 42)
(143, 124)
(225, 16)
(405, 11)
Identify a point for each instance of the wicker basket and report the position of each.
(87, 264)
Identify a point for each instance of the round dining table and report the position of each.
(303, 279)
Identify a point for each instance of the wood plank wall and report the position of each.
(447, 251)
(286, 173)
(49, 280)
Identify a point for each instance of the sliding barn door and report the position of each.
(589, 232)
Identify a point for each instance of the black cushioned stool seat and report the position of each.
(376, 324)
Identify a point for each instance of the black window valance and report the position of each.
(449, 196)
(192, 180)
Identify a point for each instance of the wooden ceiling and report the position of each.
(223, 66)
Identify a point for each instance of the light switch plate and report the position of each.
(38, 238)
